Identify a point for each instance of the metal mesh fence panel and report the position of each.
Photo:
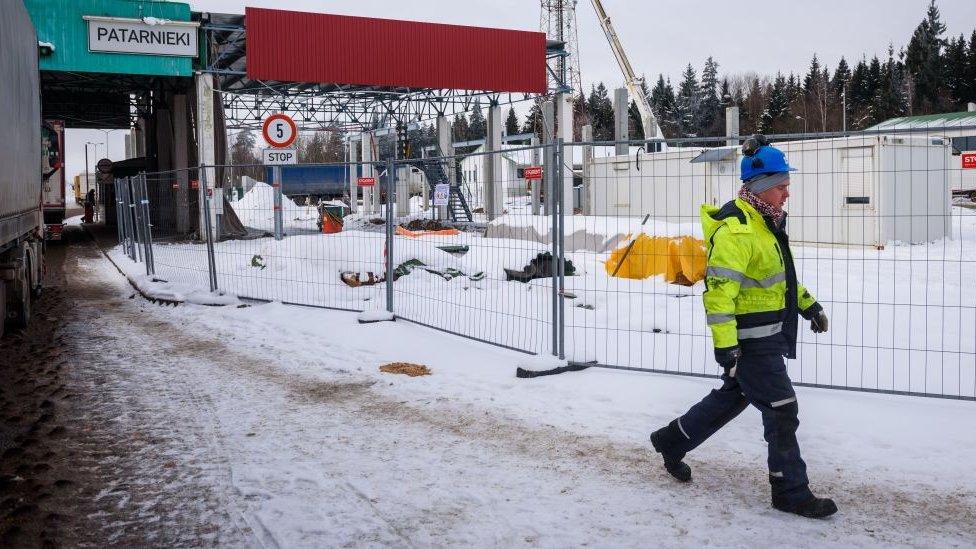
(287, 234)
(486, 271)
(179, 248)
(882, 229)
(876, 235)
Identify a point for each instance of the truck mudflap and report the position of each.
(53, 232)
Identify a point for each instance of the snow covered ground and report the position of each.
(318, 448)
(902, 318)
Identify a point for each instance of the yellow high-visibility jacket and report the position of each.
(752, 295)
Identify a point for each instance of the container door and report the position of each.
(858, 219)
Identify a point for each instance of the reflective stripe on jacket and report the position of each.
(752, 295)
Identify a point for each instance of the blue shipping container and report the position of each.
(319, 181)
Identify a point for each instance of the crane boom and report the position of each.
(651, 129)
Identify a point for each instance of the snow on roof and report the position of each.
(951, 119)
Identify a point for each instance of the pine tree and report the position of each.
(777, 107)
(511, 123)
(478, 126)
(600, 109)
(954, 72)
(923, 59)
(664, 105)
(889, 100)
(813, 76)
(460, 129)
(688, 103)
(533, 120)
(842, 76)
(711, 104)
(969, 91)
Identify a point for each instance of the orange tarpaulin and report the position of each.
(680, 259)
(415, 234)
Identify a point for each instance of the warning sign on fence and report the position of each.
(442, 192)
(366, 181)
(533, 172)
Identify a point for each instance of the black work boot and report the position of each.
(672, 462)
(812, 507)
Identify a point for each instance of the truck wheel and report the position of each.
(21, 302)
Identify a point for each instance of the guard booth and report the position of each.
(129, 65)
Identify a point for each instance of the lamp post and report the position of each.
(798, 117)
(843, 108)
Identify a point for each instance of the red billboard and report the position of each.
(291, 46)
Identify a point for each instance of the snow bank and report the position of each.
(256, 210)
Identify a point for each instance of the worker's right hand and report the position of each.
(728, 356)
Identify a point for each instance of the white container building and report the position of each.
(859, 191)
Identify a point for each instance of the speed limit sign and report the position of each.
(279, 130)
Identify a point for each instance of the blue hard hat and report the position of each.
(764, 160)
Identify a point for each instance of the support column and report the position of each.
(445, 149)
(548, 138)
(404, 176)
(564, 129)
(494, 186)
(536, 190)
(621, 119)
(587, 195)
(368, 171)
(206, 142)
(354, 144)
(180, 140)
(732, 125)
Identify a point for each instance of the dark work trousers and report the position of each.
(760, 380)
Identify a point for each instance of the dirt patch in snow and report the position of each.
(405, 368)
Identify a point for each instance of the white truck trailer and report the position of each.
(21, 227)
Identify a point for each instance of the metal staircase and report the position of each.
(457, 206)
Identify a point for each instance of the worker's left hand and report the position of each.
(818, 323)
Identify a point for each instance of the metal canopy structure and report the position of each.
(102, 101)
(332, 106)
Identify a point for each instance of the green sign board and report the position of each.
(115, 36)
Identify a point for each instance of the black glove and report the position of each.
(818, 322)
(728, 356)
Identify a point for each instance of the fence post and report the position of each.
(390, 186)
(127, 216)
(560, 272)
(278, 217)
(136, 205)
(208, 226)
(549, 172)
(147, 227)
(117, 197)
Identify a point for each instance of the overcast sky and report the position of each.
(662, 36)
(659, 36)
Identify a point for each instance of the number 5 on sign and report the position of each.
(279, 130)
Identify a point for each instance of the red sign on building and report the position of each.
(366, 181)
(969, 161)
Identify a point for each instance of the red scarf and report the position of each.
(765, 208)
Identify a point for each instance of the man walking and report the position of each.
(752, 300)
